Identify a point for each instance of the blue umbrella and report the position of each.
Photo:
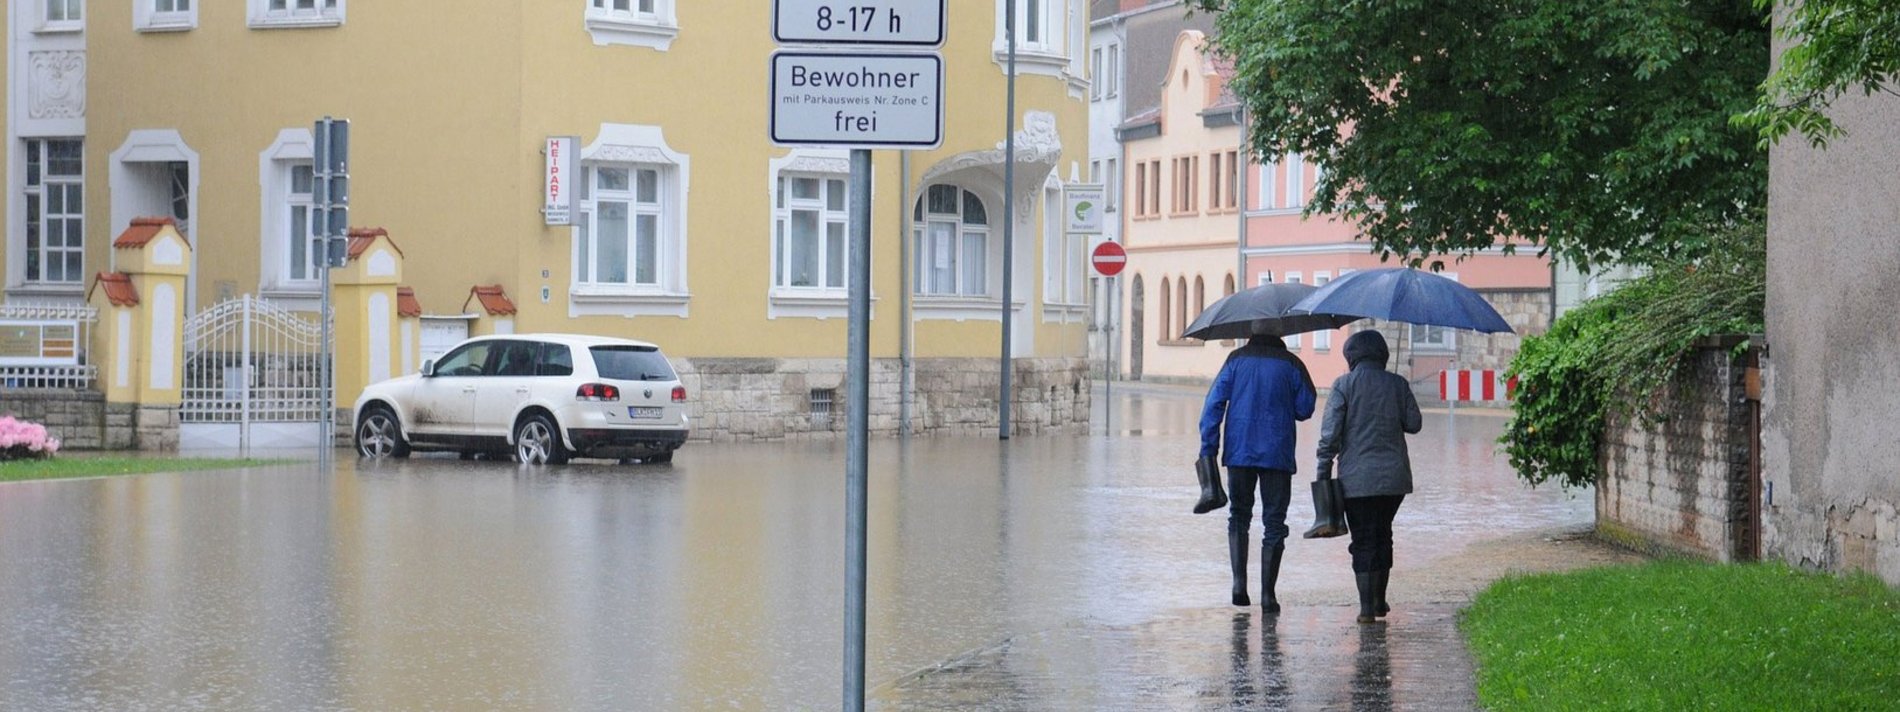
(1405, 295)
(1261, 309)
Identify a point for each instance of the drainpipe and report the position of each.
(1240, 187)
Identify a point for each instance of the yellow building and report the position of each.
(691, 229)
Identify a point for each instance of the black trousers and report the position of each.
(1276, 487)
(1370, 519)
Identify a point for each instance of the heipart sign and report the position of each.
(559, 179)
(857, 99)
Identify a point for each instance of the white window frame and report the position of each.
(1111, 181)
(1264, 278)
(832, 168)
(636, 23)
(39, 195)
(1293, 340)
(151, 15)
(634, 146)
(70, 15)
(924, 282)
(1267, 194)
(1049, 53)
(1322, 339)
(1295, 182)
(1063, 256)
(1098, 81)
(1113, 71)
(321, 13)
(275, 165)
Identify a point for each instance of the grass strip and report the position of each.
(1675, 635)
(68, 467)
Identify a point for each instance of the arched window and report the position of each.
(1228, 288)
(1200, 296)
(1180, 306)
(951, 233)
(1167, 311)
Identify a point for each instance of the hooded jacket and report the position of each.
(1260, 392)
(1368, 414)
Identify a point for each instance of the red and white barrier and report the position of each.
(1478, 385)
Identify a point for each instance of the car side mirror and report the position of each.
(428, 368)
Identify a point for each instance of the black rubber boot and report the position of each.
(1379, 579)
(1270, 577)
(1237, 555)
(1367, 612)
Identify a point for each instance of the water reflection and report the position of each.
(714, 582)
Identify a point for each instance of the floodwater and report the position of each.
(715, 582)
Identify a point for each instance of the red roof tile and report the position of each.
(119, 289)
(361, 237)
(141, 232)
(406, 304)
(493, 299)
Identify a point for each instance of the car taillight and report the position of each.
(597, 392)
(679, 394)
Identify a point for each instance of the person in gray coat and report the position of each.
(1368, 414)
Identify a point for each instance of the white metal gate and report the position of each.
(253, 378)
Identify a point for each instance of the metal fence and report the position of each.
(250, 361)
(47, 346)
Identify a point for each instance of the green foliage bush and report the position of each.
(1616, 352)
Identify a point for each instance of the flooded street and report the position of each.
(714, 582)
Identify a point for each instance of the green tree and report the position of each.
(1835, 45)
(1598, 131)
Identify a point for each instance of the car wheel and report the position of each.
(538, 442)
(379, 434)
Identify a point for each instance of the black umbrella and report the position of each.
(1262, 309)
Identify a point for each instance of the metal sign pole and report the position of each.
(1009, 215)
(857, 406)
(1108, 370)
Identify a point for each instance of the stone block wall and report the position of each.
(1683, 485)
(1528, 313)
(82, 420)
(743, 399)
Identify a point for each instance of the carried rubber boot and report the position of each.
(1237, 555)
(1367, 612)
(1212, 496)
(1270, 577)
(1379, 579)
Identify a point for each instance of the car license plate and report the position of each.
(643, 412)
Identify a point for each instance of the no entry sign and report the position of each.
(1109, 259)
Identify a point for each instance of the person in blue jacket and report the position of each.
(1261, 391)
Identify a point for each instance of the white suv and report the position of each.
(547, 397)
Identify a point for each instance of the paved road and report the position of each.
(1059, 572)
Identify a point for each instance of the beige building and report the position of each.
(1182, 215)
(690, 229)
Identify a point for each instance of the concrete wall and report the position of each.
(1682, 485)
(1831, 456)
(749, 399)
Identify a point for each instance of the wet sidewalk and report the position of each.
(1213, 659)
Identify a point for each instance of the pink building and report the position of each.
(1182, 223)
(1282, 246)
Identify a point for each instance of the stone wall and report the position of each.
(1528, 313)
(1684, 485)
(742, 399)
(82, 420)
